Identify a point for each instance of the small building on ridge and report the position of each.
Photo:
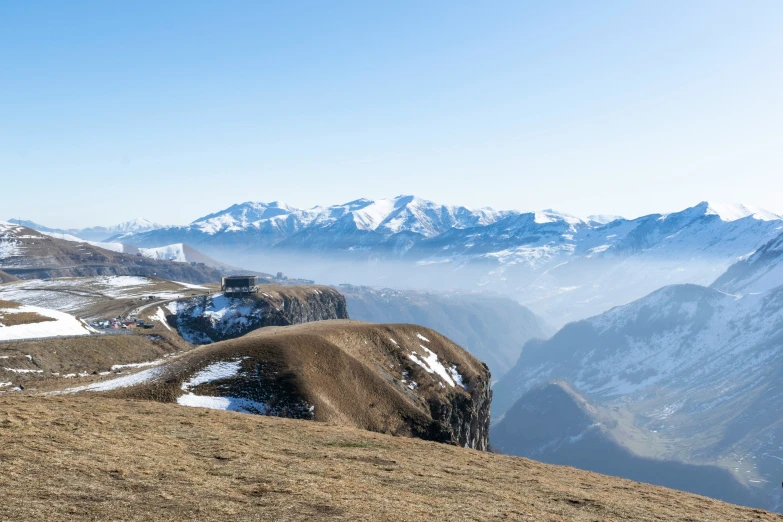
(237, 285)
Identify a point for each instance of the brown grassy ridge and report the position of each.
(350, 371)
(95, 458)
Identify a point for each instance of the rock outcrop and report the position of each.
(208, 319)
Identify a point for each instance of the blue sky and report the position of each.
(172, 110)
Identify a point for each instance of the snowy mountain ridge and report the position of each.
(389, 216)
(561, 266)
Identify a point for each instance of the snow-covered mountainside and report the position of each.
(759, 272)
(562, 267)
(179, 252)
(19, 322)
(695, 369)
(360, 223)
(660, 341)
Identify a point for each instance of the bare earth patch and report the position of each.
(9, 304)
(94, 458)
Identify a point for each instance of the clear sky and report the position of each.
(172, 110)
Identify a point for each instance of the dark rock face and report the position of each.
(205, 320)
(464, 420)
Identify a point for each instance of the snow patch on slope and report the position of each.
(118, 383)
(63, 324)
(215, 372)
(431, 364)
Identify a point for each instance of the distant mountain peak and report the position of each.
(729, 212)
(603, 219)
(550, 215)
(135, 225)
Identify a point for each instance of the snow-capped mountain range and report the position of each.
(561, 266)
(98, 233)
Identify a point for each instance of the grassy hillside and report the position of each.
(44, 364)
(92, 458)
(343, 372)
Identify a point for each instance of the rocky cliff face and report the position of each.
(463, 420)
(204, 320)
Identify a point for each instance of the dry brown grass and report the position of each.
(15, 319)
(94, 458)
(86, 354)
(9, 305)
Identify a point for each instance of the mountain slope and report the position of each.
(26, 254)
(230, 466)
(492, 328)
(552, 423)
(758, 272)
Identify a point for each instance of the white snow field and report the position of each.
(63, 324)
(78, 295)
